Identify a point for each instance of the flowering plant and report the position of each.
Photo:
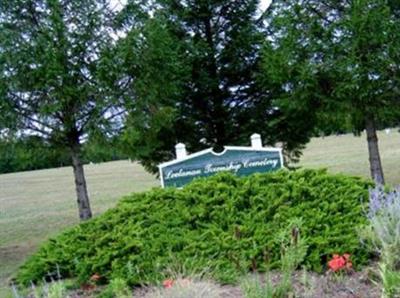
(384, 234)
(338, 263)
(168, 283)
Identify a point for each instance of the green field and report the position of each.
(35, 205)
(349, 154)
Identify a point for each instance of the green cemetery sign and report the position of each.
(238, 160)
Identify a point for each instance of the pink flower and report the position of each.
(168, 283)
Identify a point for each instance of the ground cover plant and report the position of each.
(228, 224)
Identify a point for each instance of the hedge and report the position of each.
(224, 224)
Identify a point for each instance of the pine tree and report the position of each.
(195, 78)
(56, 78)
(342, 57)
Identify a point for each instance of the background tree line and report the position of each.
(33, 153)
(206, 73)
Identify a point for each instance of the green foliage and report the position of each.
(254, 288)
(228, 224)
(293, 252)
(390, 280)
(383, 234)
(334, 59)
(53, 289)
(194, 83)
(335, 69)
(152, 57)
(57, 290)
(29, 153)
(100, 148)
(117, 288)
(57, 78)
(33, 153)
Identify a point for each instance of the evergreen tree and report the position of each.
(195, 80)
(341, 59)
(56, 75)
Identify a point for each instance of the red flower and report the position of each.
(168, 283)
(340, 262)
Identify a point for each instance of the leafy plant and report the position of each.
(294, 250)
(254, 288)
(390, 280)
(56, 290)
(227, 224)
(293, 253)
(53, 289)
(117, 288)
(383, 233)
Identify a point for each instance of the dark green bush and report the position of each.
(224, 223)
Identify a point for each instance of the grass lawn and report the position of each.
(35, 205)
(349, 154)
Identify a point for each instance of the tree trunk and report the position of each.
(373, 150)
(80, 184)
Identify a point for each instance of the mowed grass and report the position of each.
(349, 154)
(38, 204)
(35, 205)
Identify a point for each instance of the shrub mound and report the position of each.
(223, 224)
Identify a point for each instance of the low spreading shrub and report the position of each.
(224, 223)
